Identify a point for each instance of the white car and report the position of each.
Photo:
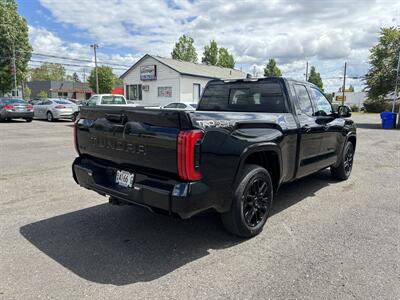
(181, 105)
(106, 99)
(53, 109)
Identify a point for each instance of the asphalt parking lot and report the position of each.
(325, 239)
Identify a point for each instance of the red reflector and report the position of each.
(8, 106)
(186, 154)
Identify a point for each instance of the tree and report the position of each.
(27, 93)
(13, 38)
(315, 78)
(106, 79)
(271, 69)
(329, 96)
(210, 54)
(48, 71)
(184, 49)
(215, 56)
(225, 59)
(75, 77)
(42, 94)
(381, 76)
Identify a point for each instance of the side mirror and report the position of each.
(344, 111)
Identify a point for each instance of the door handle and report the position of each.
(306, 128)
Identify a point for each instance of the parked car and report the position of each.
(106, 99)
(34, 101)
(181, 106)
(246, 138)
(54, 109)
(15, 109)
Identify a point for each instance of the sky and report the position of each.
(323, 33)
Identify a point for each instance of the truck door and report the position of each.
(311, 133)
(332, 126)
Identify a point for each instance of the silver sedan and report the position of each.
(53, 109)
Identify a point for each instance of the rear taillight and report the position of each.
(9, 107)
(189, 155)
(59, 107)
(75, 136)
(29, 107)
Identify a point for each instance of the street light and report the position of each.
(95, 46)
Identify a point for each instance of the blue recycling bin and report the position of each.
(388, 120)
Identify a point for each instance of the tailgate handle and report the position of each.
(120, 118)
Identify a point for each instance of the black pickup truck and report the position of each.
(246, 138)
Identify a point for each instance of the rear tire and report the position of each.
(251, 203)
(28, 120)
(343, 171)
(50, 117)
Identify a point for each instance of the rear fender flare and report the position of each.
(267, 146)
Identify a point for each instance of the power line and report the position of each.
(77, 59)
(73, 65)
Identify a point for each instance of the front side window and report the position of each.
(322, 105)
(171, 105)
(92, 101)
(303, 100)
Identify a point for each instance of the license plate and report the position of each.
(124, 178)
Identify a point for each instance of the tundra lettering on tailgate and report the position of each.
(117, 145)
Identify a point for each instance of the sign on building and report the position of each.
(148, 72)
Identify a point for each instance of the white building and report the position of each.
(155, 80)
(352, 98)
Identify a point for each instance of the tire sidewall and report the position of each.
(49, 119)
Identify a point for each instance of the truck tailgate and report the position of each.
(131, 137)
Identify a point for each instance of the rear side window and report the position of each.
(303, 100)
(260, 96)
(62, 102)
(8, 101)
(112, 100)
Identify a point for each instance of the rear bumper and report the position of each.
(17, 114)
(182, 198)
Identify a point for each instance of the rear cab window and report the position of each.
(257, 96)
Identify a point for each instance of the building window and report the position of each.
(63, 94)
(164, 91)
(196, 92)
(133, 92)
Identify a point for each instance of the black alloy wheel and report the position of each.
(343, 170)
(255, 202)
(348, 160)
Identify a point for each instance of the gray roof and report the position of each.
(194, 69)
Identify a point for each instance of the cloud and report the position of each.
(325, 33)
(50, 44)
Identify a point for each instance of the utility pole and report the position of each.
(15, 73)
(395, 87)
(254, 71)
(307, 71)
(344, 82)
(95, 46)
(84, 74)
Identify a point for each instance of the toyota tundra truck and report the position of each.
(246, 138)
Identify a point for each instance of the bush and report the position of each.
(355, 108)
(376, 105)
